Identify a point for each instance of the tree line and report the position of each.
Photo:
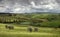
(44, 20)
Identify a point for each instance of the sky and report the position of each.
(28, 6)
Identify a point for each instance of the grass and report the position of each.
(20, 31)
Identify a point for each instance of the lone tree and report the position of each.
(30, 29)
(9, 27)
(59, 26)
(35, 29)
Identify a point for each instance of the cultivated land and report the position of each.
(21, 31)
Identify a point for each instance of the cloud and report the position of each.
(29, 5)
(0, 0)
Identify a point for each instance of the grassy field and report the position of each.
(20, 31)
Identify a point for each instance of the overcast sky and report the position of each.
(21, 6)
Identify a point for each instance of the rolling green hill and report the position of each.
(20, 31)
(44, 20)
